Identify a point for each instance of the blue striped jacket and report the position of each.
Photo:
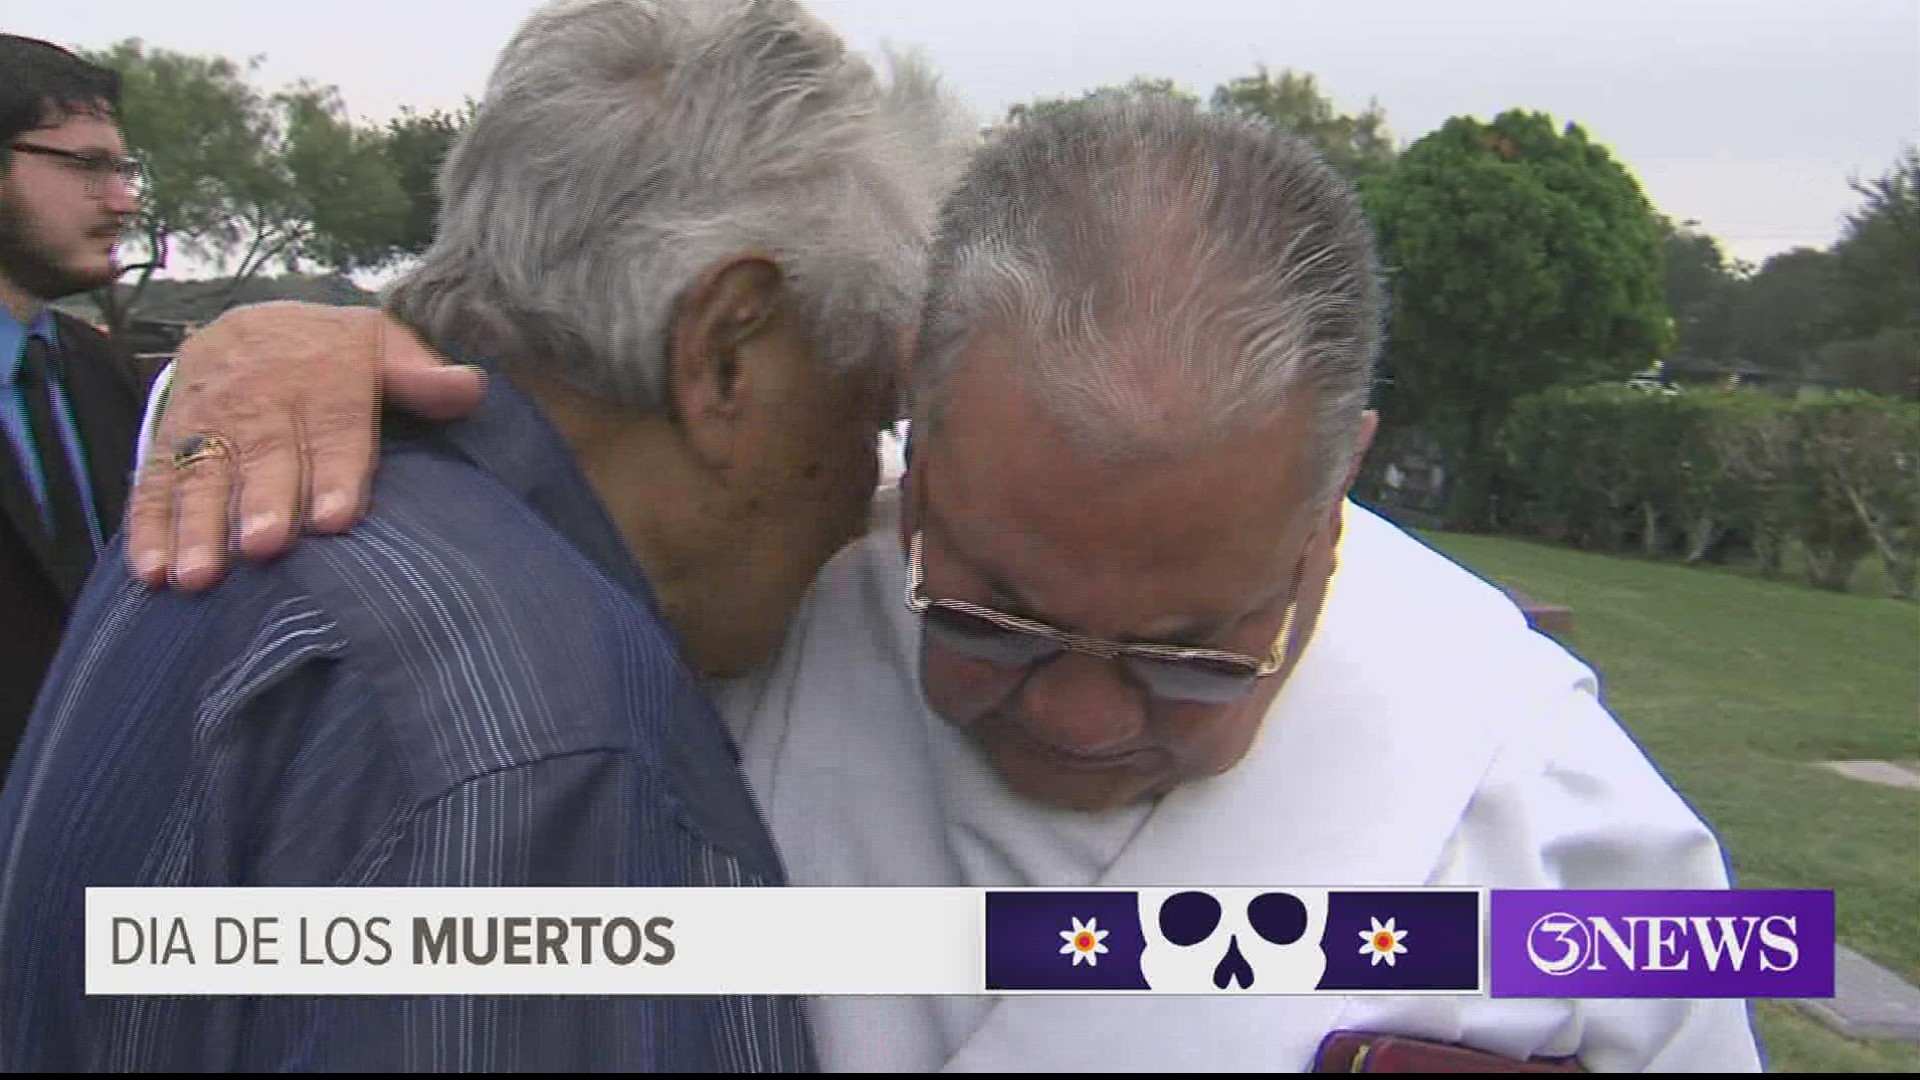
(474, 687)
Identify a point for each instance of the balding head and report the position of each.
(1168, 277)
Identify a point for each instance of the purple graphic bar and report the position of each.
(1740, 943)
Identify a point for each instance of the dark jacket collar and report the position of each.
(510, 438)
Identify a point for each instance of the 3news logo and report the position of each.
(1620, 944)
(1562, 944)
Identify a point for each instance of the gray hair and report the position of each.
(625, 146)
(1169, 277)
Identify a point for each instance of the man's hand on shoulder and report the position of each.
(271, 427)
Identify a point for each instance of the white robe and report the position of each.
(1427, 737)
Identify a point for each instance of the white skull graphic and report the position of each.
(1223, 941)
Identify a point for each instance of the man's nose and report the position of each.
(1085, 705)
(120, 197)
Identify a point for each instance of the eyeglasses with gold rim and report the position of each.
(1179, 672)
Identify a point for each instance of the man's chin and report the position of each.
(97, 275)
(83, 278)
(1087, 790)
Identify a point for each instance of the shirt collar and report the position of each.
(511, 439)
(13, 341)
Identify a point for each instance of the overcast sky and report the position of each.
(1747, 115)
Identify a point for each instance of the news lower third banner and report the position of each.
(898, 941)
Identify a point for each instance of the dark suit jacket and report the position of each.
(107, 400)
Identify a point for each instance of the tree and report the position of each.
(1522, 256)
(1357, 144)
(1702, 287)
(1887, 363)
(1876, 279)
(246, 178)
(341, 205)
(416, 146)
(1878, 256)
(200, 127)
(1785, 314)
(324, 194)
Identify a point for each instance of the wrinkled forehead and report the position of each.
(1099, 541)
(1240, 496)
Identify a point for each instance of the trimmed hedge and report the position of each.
(1705, 475)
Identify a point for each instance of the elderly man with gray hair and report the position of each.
(684, 236)
(1128, 632)
(1122, 628)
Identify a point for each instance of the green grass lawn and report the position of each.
(1737, 686)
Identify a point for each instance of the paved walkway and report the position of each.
(1869, 1002)
(1878, 772)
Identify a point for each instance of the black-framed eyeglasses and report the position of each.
(98, 168)
(1172, 672)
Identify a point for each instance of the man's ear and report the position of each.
(1363, 441)
(910, 488)
(1369, 426)
(728, 307)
